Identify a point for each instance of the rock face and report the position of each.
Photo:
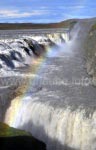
(23, 142)
(90, 47)
(14, 139)
(86, 42)
(35, 47)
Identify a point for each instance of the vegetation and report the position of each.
(6, 131)
(14, 26)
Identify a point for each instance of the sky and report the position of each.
(45, 11)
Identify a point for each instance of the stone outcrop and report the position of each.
(86, 43)
(11, 138)
(90, 46)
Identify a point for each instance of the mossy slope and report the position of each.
(6, 131)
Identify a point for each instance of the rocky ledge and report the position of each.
(13, 139)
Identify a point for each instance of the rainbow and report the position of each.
(16, 103)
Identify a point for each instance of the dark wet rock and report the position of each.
(62, 39)
(7, 60)
(27, 50)
(51, 43)
(1, 66)
(13, 139)
(20, 42)
(35, 47)
(16, 44)
(43, 46)
(16, 56)
(21, 142)
(5, 46)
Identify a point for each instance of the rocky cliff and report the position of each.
(11, 138)
(90, 46)
(86, 43)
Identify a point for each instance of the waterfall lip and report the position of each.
(21, 47)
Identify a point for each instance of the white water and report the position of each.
(57, 127)
(63, 116)
(8, 45)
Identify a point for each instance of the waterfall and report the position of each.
(57, 127)
(55, 109)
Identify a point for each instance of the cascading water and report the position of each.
(58, 107)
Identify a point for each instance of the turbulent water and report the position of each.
(59, 105)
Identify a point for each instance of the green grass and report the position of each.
(6, 131)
